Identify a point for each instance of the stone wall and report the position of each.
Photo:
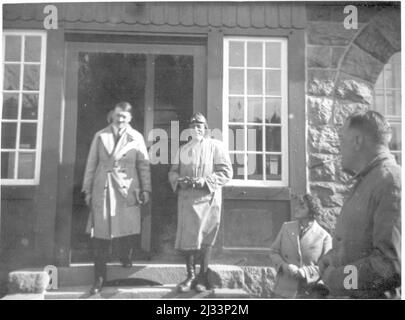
(342, 67)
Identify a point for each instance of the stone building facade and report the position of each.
(329, 72)
(342, 68)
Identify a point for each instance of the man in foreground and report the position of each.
(365, 261)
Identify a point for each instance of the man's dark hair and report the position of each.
(373, 124)
(125, 106)
(198, 117)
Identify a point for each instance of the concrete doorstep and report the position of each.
(142, 281)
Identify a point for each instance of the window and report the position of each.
(387, 100)
(255, 110)
(23, 75)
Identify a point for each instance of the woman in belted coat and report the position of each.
(296, 251)
(201, 169)
(116, 182)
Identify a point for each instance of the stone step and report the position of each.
(257, 281)
(145, 292)
(83, 274)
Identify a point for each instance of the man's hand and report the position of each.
(144, 197)
(87, 199)
(198, 182)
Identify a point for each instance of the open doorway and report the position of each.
(162, 87)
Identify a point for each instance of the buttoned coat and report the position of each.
(288, 248)
(199, 210)
(367, 239)
(115, 175)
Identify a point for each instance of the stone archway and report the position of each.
(333, 94)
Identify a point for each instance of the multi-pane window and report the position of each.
(387, 100)
(23, 72)
(256, 110)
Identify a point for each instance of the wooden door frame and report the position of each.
(70, 112)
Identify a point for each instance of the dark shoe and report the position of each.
(201, 283)
(187, 284)
(126, 264)
(97, 287)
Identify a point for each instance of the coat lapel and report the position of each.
(310, 234)
(107, 137)
(293, 233)
(124, 143)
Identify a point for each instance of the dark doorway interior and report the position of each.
(166, 81)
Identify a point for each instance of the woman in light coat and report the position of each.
(201, 169)
(296, 250)
(116, 182)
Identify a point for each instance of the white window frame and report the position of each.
(41, 94)
(284, 182)
(392, 119)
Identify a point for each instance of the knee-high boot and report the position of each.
(201, 283)
(187, 284)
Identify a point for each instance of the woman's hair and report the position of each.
(124, 105)
(314, 205)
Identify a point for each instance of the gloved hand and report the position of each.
(185, 182)
(198, 183)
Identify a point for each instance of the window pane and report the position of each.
(254, 54)
(236, 138)
(238, 165)
(236, 82)
(273, 110)
(393, 76)
(273, 82)
(255, 138)
(7, 165)
(236, 110)
(28, 136)
(379, 104)
(398, 157)
(393, 102)
(11, 77)
(273, 56)
(13, 48)
(32, 49)
(29, 106)
(396, 58)
(26, 165)
(255, 167)
(10, 106)
(236, 54)
(273, 167)
(255, 110)
(273, 138)
(8, 135)
(31, 77)
(254, 82)
(395, 143)
(380, 82)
